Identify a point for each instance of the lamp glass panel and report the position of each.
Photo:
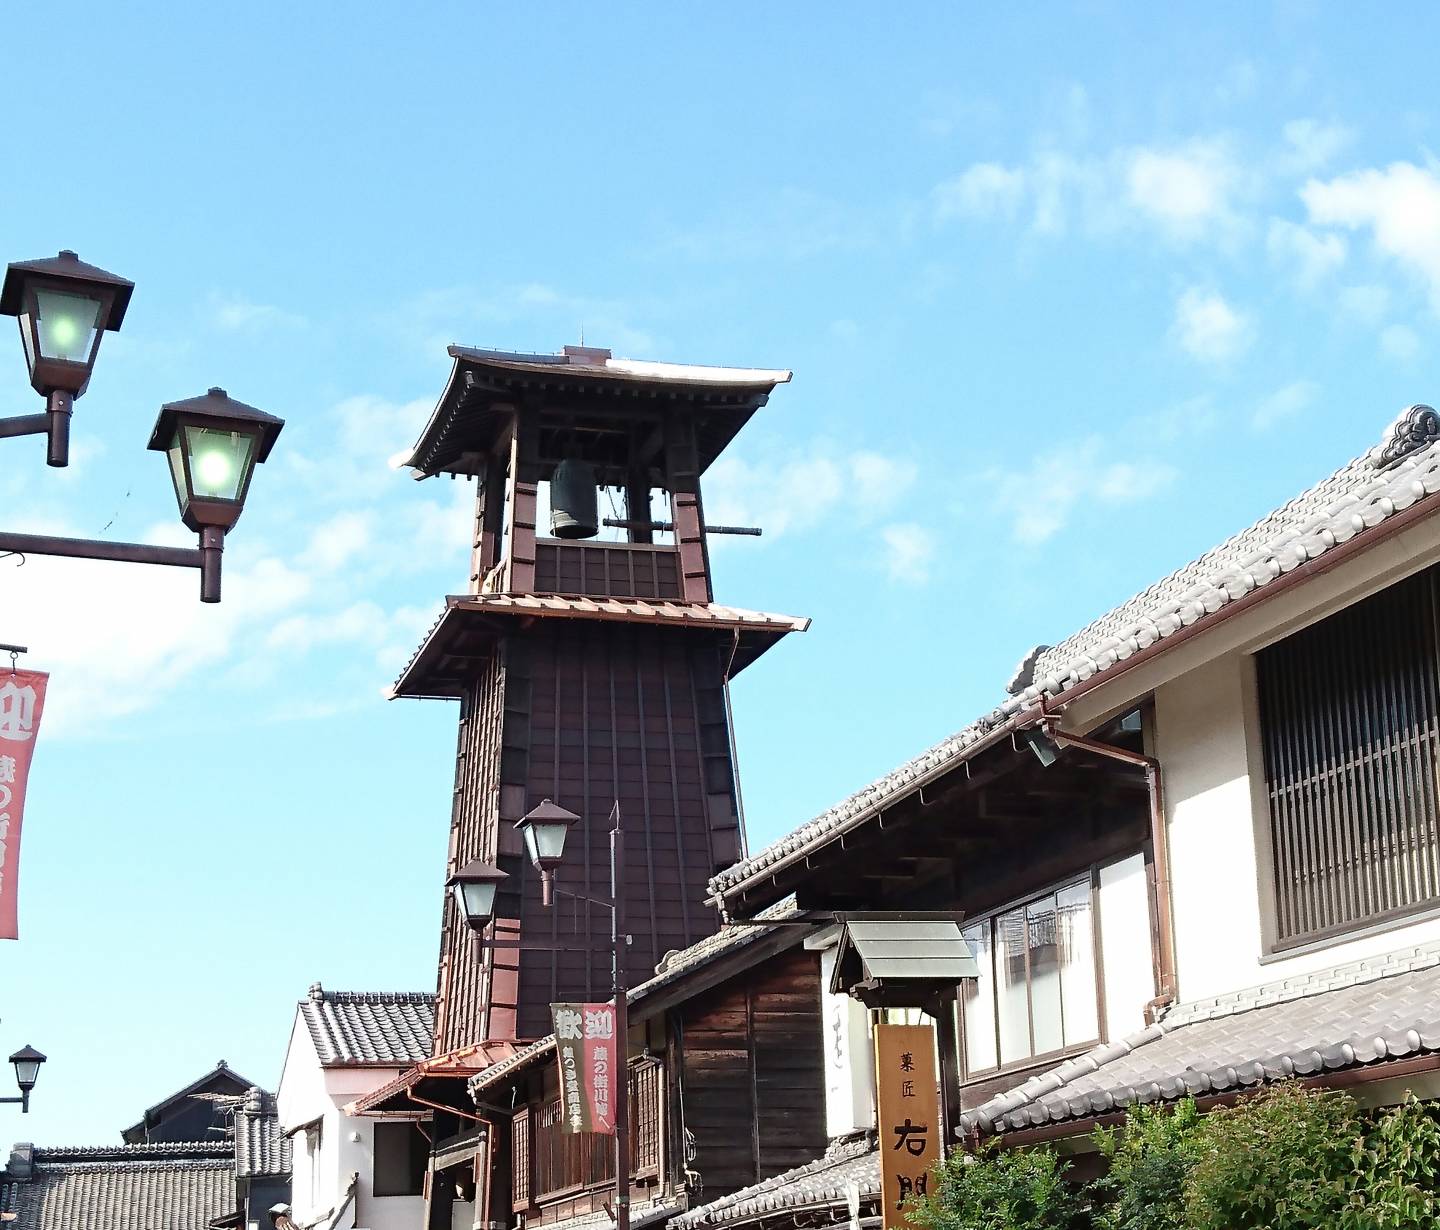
(27, 1071)
(219, 462)
(547, 841)
(27, 339)
(67, 325)
(476, 899)
(176, 454)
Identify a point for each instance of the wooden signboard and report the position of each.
(907, 1097)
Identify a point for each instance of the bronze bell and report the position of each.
(574, 501)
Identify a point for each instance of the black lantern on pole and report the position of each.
(213, 443)
(64, 305)
(544, 829)
(474, 886)
(27, 1061)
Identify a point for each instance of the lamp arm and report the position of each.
(24, 425)
(603, 903)
(206, 557)
(54, 423)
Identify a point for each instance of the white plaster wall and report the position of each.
(1208, 755)
(1127, 966)
(308, 1092)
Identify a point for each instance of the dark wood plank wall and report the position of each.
(607, 570)
(593, 712)
(463, 974)
(753, 1073)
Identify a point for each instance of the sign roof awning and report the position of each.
(900, 962)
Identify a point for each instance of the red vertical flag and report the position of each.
(22, 698)
(585, 1045)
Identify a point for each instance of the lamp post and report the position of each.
(544, 829)
(213, 442)
(27, 1061)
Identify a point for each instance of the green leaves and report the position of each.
(1287, 1158)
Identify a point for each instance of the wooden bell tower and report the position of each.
(587, 671)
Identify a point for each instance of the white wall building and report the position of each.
(353, 1172)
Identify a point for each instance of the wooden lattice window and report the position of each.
(1350, 723)
(520, 1160)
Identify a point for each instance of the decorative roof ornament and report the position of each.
(1024, 675)
(1417, 427)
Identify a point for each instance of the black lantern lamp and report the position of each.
(474, 886)
(213, 443)
(544, 829)
(27, 1061)
(64, 305)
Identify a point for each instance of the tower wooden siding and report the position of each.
(587, 715)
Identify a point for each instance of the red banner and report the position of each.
(585, 1047)
(22, 698)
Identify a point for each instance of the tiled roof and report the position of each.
(219, 1078)
(672, 968)
(370, 1028)
(1362, 1013)
(125, 1187)
(755, 631)
(849, 1168)
(1352, 501)
(260, 1149)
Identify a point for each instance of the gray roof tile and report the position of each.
(1331, 1020)
(260, 1149)
(1356, 498)
(370, 1028)
(125, 1187)
(850, 1166)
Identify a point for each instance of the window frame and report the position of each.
(1274, 948)
(1089, 876)
(413, 1175)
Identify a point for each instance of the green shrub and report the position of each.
(1286, 1158)
(1149, 1162)
(1401, 1169)
(994, 1189)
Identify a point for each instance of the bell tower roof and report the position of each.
(485, 387)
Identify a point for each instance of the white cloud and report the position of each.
(1311, 145)
(1186, 190)
(983, 189)
(909, 550)
(1399, 342)
(799, 490)
(1400, 208)
(1284, 404)
(1208, 328)
(1047, 494)
(1310, 256)
(234, 314)
(1364, 303)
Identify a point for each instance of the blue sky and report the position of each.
(1070, 294)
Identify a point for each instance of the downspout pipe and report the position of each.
(1159, 843)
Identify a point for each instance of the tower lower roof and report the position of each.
(460, 640)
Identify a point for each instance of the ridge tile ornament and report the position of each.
(1417, 427)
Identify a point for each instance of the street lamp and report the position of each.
(544, 829)
(474, 886)
(63, 305)
(213, 441)
(27, 1061)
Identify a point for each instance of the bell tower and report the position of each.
(588, 671)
